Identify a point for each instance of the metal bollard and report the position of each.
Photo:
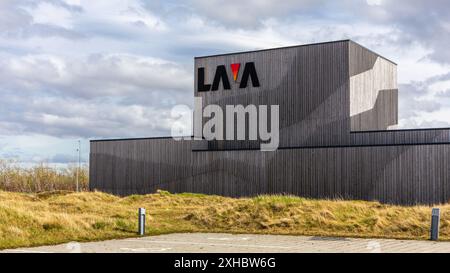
(434, 231)
(141, 216)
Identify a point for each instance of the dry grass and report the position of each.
(40, 178)
(57, 217)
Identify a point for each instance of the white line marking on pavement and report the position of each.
(28, 251)
(228, 239)
(207, 244)
(143, 249)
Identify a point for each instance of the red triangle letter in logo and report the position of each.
(235, 70)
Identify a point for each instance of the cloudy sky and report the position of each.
(83, 69)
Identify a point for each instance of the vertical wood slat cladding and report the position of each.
(404, 174)
(371, 138)
(324, 91)
(373, 90)
(400, 137)
(321, 157)
(312, 109)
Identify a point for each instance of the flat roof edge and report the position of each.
(132, 138)
(268, 49)
(294, 46)
(400, 130)
(328, 146)
(351, 132)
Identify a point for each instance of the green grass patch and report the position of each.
(63, 216)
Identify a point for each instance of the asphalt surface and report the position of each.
(228, 243)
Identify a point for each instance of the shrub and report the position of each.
(41, 177)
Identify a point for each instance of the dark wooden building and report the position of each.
(337, 112)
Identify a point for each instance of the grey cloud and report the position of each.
(445, 94)
(41, 30)
(63, 117)
(17, 22)
(253, 13)
(439, 78)
(35, 3)
(410, 123)
(233, 13)
(416, 98)
(96, 76)
(116, 95)
(63, 158)
(411, 103)
(417, 21)
(63, 4)
(412, 21)
(13, 17)
(25, 157)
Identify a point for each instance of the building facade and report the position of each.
(338, 108)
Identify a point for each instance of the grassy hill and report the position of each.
(57, 217)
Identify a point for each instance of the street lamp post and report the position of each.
(79, 163)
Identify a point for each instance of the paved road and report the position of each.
(228, 243)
